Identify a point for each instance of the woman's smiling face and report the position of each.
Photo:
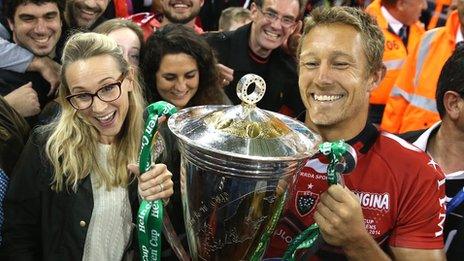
(177, 79)
(89, 76)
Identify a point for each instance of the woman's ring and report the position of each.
(161, 187)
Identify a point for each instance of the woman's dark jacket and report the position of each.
(41, 224)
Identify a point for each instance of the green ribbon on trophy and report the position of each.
(334, 151)
(263, 241)
(150, 214)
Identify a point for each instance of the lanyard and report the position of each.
(334, 151)
(150, 214)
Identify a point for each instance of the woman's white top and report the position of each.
(110, 226)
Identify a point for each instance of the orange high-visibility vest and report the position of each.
(395, 52)
(438, 13)
(411, 105)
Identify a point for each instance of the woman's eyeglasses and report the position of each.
(107, 93)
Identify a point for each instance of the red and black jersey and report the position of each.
(400, 188)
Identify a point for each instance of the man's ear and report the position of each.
(377, 77)
(10, 24)
(254, 11)
(453, 104)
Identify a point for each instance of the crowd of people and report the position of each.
(382, 75)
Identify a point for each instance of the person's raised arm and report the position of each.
(13, 57)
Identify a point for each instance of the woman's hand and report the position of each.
(155, 183)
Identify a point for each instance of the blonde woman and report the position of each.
(127, 34)
(72, 195)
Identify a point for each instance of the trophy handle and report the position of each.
(173, 239)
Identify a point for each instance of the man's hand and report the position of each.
(24, 100)
(49, 70)
(226, 74)
(340, 217)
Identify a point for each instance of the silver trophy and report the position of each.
(237, 163)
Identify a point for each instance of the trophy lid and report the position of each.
(244, 130)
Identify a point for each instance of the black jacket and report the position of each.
(279, 72)
(41, 224)
(14, 131)
(454, 222)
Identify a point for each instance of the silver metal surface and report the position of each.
(236, 163)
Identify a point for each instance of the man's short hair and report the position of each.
(390, 3)
(301, 3)
(451, 78)
(12, 5)
(231, 14)
(371, 34)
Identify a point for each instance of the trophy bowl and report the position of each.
(237, 163)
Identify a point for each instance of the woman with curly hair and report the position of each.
(180, 67)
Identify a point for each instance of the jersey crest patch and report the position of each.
(305, 202)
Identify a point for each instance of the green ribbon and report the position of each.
(306, 239)
(150, 214)
(263, 241)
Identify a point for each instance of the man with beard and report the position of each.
(36, 26)
(174, 12)
(257, 48)
(85, 14)
(391, 206)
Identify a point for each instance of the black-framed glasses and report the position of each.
(107, 93)
(271, 16)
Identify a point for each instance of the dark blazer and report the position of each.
(279, 72)
(41, 224)
(453, 222)
(14, 132)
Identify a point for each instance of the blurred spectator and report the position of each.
(40, 37)
(444, 142)
(399, 21)
(437, 12)
(127, 34)
(181, 12)
(85, 14)
(212, 10)
(257, 48)
(174, 12)
(233, 18)
(14, 132)
(411, 105)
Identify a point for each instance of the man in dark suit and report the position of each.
(258, 48)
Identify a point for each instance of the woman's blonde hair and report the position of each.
(117, 23)
(73, 144)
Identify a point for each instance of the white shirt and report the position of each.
(110, 226)
(392, 21)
